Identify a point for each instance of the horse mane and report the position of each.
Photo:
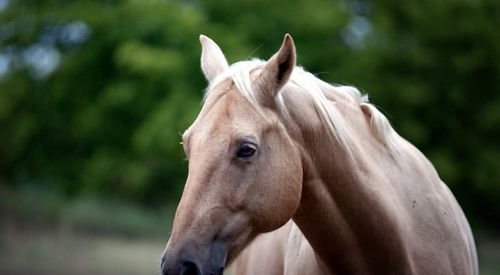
(314, 87)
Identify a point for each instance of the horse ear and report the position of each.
(278, 69)
(213, 61)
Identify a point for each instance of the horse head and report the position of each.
(245, 171)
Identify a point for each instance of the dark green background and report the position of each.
(100, 125)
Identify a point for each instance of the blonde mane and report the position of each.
(240, 74)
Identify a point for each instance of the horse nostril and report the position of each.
(190, 268)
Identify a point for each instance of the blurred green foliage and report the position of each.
(94, 94)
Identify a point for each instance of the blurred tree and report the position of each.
(434, 67)
(106, 121)
(93, 94)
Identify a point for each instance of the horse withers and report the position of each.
(275, 148)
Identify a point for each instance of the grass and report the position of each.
(44, 208)
(489, 254)
(34, 251)
(43, 234)
(44, 253)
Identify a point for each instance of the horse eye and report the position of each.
(246, 151)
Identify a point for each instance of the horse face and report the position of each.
(244, 178)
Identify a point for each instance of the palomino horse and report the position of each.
(273, 143)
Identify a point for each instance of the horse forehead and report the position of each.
(225, 111)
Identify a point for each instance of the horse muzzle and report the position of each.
(194, 262)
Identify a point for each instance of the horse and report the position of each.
(313, 174)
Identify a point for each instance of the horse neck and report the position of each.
(343, 213)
